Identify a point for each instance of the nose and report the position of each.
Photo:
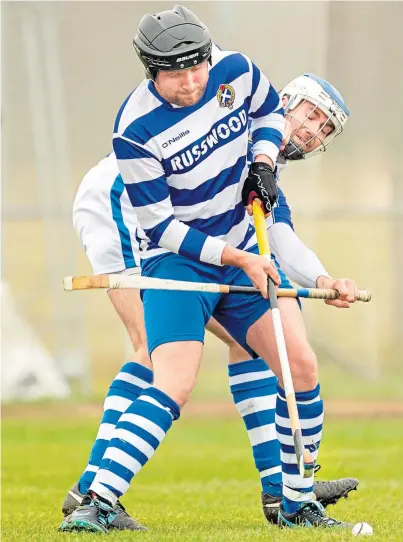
(188, 80)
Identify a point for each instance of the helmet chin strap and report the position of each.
(292, 152)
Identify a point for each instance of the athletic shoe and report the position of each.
(311, 514)
(324, 492)
(123, 521)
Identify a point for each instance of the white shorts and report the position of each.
(105, 221)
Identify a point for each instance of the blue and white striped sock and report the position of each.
(132, 380)
(134, 440)
(254, 389)
(296, 489)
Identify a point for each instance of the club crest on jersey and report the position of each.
(226, 96)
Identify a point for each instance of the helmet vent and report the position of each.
(183, 43)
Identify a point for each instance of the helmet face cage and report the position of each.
(296, 150)
(321, 95)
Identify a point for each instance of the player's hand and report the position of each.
(258, 268)
(347, 289)
(260, 183)
(286, 134)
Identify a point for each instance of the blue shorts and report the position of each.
(172, 316)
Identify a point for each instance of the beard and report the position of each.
(184, 99)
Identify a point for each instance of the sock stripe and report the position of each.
(306, 423)
(111, 416)
(262, 389)
(124, 464)
(268, 472)
(121, 401)
(250, 366)
(133, 380)
(258, 404)
(311, 431)
(145, 423)
(140, 432)
(92, 468)
(105, 431)
(134, 368)
(130, 443)
(251, 377)
(305, 397)
(258, 419)
(112, 486)
(307, 411)
(298, 495)
(262, 434)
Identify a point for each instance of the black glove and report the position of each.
(260, 183)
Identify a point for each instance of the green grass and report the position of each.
(201, 485)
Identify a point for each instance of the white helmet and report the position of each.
(318, 91)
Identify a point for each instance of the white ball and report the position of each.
(362, 529)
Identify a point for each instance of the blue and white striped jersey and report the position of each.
(184, 167)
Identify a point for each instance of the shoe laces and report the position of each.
(318, 510)
(106, 513)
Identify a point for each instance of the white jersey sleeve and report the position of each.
(297, 261)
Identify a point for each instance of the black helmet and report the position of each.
(171, 40)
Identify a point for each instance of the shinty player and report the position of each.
(313, 127)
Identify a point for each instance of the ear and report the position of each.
(285, 100)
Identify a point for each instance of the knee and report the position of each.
(178, 388)
(304, 369)
(182, 391)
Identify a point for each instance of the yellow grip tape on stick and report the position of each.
(261, 228)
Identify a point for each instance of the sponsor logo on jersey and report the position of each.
(223, 131)
(226, 96)
(175, 139)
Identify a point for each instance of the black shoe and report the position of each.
(325, 493)
(332, 491)
(271, 507)
(311, 514)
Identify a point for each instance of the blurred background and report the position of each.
(67, 67)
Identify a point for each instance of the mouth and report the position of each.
(301, 140)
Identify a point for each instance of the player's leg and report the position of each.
(249, 321)
(237, 354)
(298, 505)
(260, 395)
(129, 307)
(175, 344)
(127, 385)
(253, 388)
(111, 247)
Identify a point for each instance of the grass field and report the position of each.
(201, 485)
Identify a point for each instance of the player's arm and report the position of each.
(147, 188)
(267, 118)
(299, 262)
(267, 131)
